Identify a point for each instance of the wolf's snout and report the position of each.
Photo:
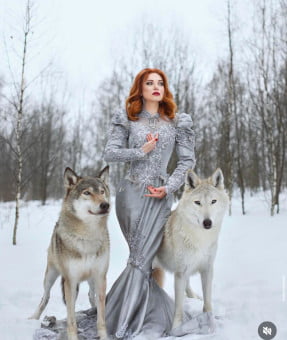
(207, 223)
(104, 206)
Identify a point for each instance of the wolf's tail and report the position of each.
(63, 290)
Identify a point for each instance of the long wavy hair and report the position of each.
(134, 102)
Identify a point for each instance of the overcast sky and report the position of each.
(81, 37)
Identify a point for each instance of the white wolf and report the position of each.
(80, 247)
(190, 238)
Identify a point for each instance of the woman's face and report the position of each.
(153, 88)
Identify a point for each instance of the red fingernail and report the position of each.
(156, 139)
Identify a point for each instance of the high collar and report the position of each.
(146, 114)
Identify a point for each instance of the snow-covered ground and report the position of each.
(250, 270)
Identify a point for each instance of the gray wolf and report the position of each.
(190, 237)
(79, 248)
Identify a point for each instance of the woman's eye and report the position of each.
(86, 192)
(213, 201)
(149, 82)
(197, 202)
(161, 84)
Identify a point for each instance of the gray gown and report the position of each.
(135, 303)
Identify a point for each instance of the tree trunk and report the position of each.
(19, 125)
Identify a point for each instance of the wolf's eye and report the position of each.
(102, 191)
(213, 201)
(86, 193)
(197, 202)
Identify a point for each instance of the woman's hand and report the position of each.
(156, 192)
(150, 136)
(151, 143)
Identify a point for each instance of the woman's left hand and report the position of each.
(156, 192)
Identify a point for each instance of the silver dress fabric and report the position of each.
(135, 303)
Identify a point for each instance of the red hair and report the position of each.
(134, 102)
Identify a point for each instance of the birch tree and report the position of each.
(18, 102)
(19, 106)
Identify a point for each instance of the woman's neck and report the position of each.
(151, 107)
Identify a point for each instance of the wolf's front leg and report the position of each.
(206, 281)
(70, 288)
(101, 283)
(179, 287)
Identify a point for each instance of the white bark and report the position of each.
(19, 126)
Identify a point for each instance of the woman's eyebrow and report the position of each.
(153, 80)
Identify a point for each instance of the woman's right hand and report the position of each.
(151, 143)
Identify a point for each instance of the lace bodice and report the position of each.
(127, 137)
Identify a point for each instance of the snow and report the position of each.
(248, 286)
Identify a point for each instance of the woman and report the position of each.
(144, 135)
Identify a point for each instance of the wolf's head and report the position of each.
(205, 199)
(87, 196)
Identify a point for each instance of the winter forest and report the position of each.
(239, 110)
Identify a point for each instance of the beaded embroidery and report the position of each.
(127, 137)
(134, 238)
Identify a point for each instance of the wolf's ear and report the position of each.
(217, 179)
(104, 174)
(70, 178)
(191, 179)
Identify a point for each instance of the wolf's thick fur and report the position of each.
(190, 237)
(79, 248)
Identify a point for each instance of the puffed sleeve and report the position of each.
(184, 145)
(116, 149)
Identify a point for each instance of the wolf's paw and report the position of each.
(102, 335)
(176, 323)
(206, 322)
(48, 322)
(201, 324)
(193, 295)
